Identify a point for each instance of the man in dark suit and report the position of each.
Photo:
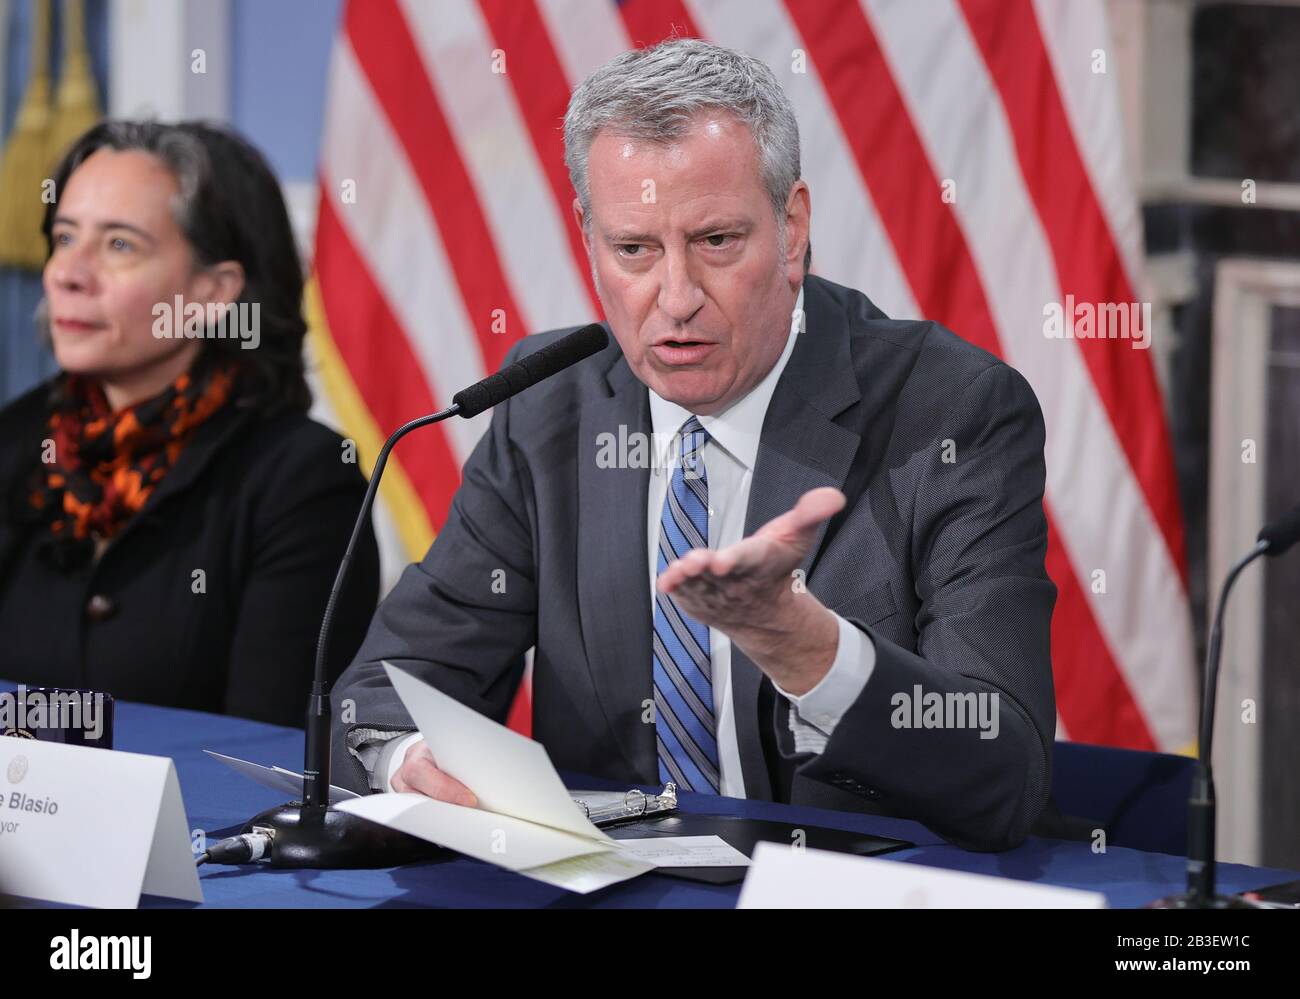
(769, 543)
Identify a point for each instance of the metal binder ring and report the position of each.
(640, 797)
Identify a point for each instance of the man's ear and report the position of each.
(579, 218)
(798, 227)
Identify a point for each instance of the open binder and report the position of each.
(608, 808)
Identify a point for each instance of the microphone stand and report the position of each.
(1202, 807)
(311, 832)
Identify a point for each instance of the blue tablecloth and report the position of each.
(218, 801)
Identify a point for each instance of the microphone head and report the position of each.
(567, 350)
(531, 369)
(1282, 533)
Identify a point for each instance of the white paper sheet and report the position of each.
(277, 778)
(508, 773)
(498, 839)
(785, 878)
(683, 851)
(525, 821)
(589, 873)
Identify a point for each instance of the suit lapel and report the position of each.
(801, 448)
(613, 574)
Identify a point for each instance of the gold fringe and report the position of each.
(25, 166)
(76, 105)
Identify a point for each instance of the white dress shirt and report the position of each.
(729, 455)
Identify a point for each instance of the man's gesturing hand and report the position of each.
(747, 591)
(418, 773)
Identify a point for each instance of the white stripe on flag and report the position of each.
(586, 35)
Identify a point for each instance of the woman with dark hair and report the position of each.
(170, 518)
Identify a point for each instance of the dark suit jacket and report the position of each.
(939, 561)
(264, 507)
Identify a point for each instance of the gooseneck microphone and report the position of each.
(310, 833)
(1282, 533)
(528, 370)
(1202, 807)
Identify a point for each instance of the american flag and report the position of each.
(966, 165)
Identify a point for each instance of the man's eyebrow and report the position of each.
(721, 225)
(628, 236)
(717, 225)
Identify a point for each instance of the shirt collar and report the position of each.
(736, 429)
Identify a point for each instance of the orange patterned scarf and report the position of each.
(105, 464)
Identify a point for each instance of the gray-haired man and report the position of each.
(821, 578)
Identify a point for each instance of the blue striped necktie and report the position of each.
(685, 727)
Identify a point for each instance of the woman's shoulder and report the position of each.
(22, 427)
(280, 466)
(293, 445)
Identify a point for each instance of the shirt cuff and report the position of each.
(391, 758)
(822, 707)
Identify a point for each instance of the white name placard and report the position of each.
(92, 827)
(781, 877)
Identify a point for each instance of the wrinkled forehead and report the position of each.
(711, 166)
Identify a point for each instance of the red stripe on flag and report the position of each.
(390, 59)
(933, 253)
(1088, 263)
(542, 94)
(650, 21)
(387, 374)
(520, 717)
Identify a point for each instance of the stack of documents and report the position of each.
(525, 821)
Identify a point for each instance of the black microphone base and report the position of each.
(314, 837)
(1189, 901)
